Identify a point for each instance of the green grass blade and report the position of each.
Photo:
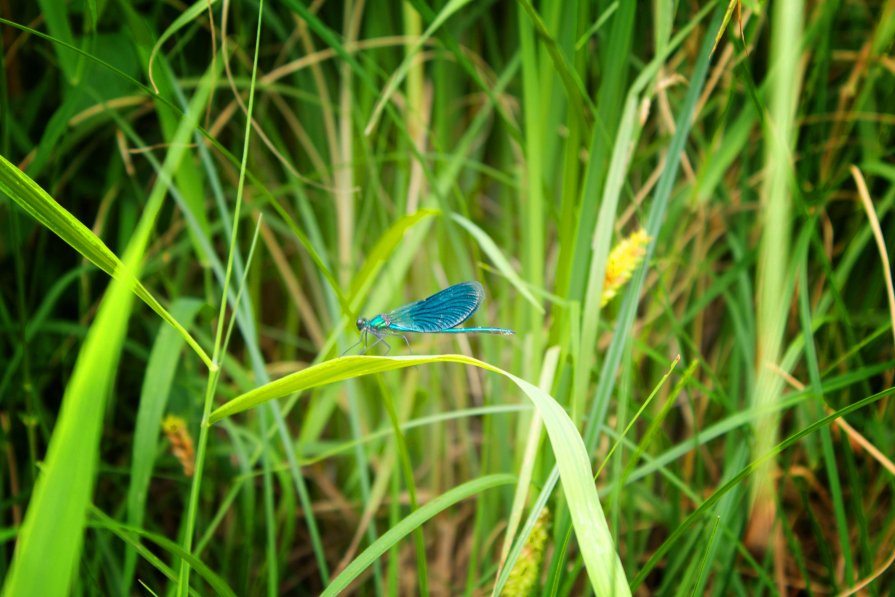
(604, 16)
(537, 133)
(157, 383)
(383, 249)
(523, 486)
(56, 15)
(187, 176)
(131, 536)
(219, 346)
(600, 244)
(699, 512)
(411, 522)
(54, 523)
(773, 284)
(185, 18)
(422, 571)
(502, 264)
(398, 77)
(578, 96)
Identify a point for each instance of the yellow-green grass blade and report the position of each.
(54, 523)
(727, 14)
(383, 250)
(53, 528)
(28, 195)
(597, 548)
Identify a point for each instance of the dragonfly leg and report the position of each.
(366, 335)
(379, 338)
(347, 350)
(397, 335)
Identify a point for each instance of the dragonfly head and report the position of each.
(361, 323)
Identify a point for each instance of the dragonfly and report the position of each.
(440, 313)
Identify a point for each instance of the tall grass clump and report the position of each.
(683, 211)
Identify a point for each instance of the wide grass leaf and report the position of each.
(594, 540)
(53, 529)
(50, 540)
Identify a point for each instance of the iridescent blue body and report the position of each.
(440, 313)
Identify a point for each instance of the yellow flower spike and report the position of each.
(525, 574)
(622, 261)
(181, 443)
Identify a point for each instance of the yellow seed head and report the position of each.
(525, 574)
(623, 260)
(181, 443)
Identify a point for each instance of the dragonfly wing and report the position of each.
(441, 311)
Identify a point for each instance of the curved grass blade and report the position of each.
(28, 195)
(500, 261)
(130, 536)
(603, 565)
(185, 18)
(409, 524)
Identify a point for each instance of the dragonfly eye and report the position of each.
(361, 323)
